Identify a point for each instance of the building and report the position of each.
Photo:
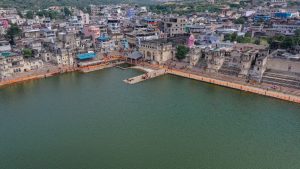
(92, 31)
(158, 51)
(279, 3)
(286, 29)
(136, 37)
(5, 46)
(114, 26)
(12, 63)
(173, 25)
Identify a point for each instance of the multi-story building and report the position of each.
(135, 38)
(114, 26)
(174, 25)
(12, 63)
(95, 10)
(286, 29)
(278, 2)
(158, 51)
(4, 46)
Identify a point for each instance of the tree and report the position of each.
(248, 34)
(27, 53)
(20, 14)
(12, 32)
(240, 20)
(67, 11)
(88, 10)
(227, 37)
(241, 39)
(234, 37)
(181, 52)
(52, 14)
(257, 41)
(29, 15)
(297, 33)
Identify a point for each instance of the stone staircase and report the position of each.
(285, 79)
(202, 63)
(227, 69)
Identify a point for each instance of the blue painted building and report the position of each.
(124, 44)
(131, 13)
(85, 56)
(103, 38)
(262, 18)
(283, 15)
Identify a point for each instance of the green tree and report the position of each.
(67, 11)
(297, 33)
(20, 14)
(29, 15)
(181, 52)
(89, 10)
(240, 20)
(233, 37)
(227, 37)
(27, 53)
(257, 41)
(13, 32)
(241, 39)
(248, 34)
(53, 14)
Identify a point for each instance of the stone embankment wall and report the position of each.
(36, 76)
(246, 88)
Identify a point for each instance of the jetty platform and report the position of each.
(150, 74)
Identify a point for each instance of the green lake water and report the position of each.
(96, 121)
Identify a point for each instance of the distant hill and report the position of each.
(40, 4)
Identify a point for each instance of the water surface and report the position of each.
(96, 121)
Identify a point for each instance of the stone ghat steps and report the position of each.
(277, 83)
(284, 75)
(228, 70)
(202, 63)
(282, 79)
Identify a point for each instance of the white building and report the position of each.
(4, 46)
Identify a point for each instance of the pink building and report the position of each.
(191, 41)
(92, 31)
(4, 23)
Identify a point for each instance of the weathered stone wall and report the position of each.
(283, 65)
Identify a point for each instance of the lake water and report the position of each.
(95, 120)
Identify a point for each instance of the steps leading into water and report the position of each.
(281, 78)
